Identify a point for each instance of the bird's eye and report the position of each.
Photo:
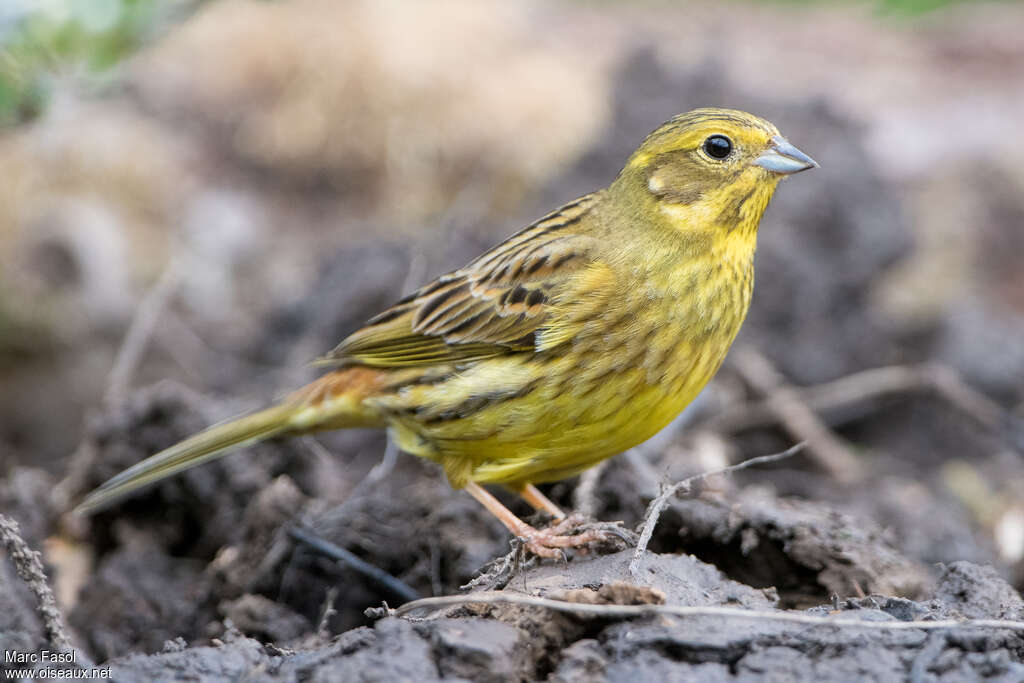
(718, 146)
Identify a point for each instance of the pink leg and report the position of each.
(544, 543)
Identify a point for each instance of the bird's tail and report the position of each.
(332, 402)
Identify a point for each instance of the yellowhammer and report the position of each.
(577, 338)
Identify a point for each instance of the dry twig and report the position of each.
(29, 565)
(947, 384)
(499, 571)
(799, 420)
(323, 629)
(628, 611)
(140, 331)
(860, 388)
(658, 504)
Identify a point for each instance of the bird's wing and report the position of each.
(498, 304)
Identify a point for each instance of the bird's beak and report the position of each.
(782, 157)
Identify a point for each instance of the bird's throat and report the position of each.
(733, 212)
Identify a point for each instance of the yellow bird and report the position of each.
(575, 339)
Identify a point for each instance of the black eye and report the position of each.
(718, 146)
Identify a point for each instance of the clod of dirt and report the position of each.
(268, 620)
(392, 650)
(231, 662)
(616, 593)
(502, 642)
(978, 592)
(804, 549)
(479, 649)
(139, 598)
(726, 649)
(253, 564)
(678, 579)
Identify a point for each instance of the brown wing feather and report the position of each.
(494, 305)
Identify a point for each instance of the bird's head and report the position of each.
(712, 168)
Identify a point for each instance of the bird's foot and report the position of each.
(574, 531)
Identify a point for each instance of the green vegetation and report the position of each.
(39, 40)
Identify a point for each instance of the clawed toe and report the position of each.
(550, 542)
(545, 543)
(541, 548)
(565, 525)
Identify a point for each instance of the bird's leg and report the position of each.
(538, 501)
(544, 543)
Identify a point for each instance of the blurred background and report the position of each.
(198, 198)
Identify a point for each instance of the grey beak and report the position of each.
(782, 157)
